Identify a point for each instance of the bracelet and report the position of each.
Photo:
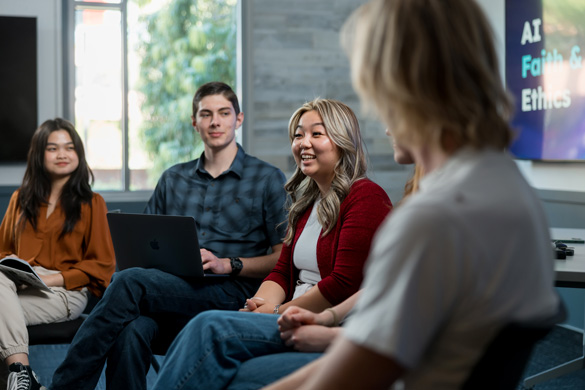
(335, 318)
(276, 309)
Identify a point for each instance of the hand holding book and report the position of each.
(53, 280)
(20, 272)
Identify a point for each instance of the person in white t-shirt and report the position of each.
(470, 251)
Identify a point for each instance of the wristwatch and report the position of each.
(237, 265)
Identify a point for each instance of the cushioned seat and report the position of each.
(55, 333)
(503, 362)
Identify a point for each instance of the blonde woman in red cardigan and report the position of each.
(332, 197)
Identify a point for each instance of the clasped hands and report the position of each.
(259, 305)
(299, 328)
(306, 331)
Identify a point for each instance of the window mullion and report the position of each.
(124, 124)
(69, 65)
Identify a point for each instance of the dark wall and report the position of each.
(563, 208)
(126, 207)
(5, 194)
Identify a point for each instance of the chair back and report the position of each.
(505, 358)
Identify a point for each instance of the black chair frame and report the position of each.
(504, 360)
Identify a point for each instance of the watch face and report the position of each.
(236, 264)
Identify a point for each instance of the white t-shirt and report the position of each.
(467, 254)
(305, 254)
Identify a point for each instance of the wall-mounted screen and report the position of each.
(545, 71)
(18, 87)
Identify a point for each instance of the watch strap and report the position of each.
(236, 265)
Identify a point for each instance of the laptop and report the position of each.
(165, 242)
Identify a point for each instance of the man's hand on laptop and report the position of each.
(215, 264)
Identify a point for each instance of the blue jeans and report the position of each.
(217, 349)
(127, 321)
(261, 371)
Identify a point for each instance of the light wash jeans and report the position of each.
(127, 320)
(235, 350)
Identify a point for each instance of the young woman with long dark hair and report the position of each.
(57, 224)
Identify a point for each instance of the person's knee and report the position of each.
(209, 318)
(130, 275)
(136, 335)
(6, 283)
(206, 324)
(132, 279)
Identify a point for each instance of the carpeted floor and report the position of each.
(560, 346)
(45, 359)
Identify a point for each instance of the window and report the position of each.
(133, 68)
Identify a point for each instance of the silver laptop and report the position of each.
(165, 242)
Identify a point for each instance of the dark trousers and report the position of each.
(141, 308)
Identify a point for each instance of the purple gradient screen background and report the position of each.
(552, 133)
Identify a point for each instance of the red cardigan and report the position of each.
(341, 254)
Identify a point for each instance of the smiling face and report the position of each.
(61, 159)
(314, 152)
(216, 122)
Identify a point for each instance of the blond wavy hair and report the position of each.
(429, 66)
(343, 129)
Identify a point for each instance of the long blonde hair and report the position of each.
(429, 66)
(344, 131)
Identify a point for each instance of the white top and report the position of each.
(305, 254)
(467, 254)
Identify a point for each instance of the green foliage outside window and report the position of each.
(188, 43)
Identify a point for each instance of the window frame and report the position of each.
(69, 7)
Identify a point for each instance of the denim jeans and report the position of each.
(123, 325)
(215, 347)
(262, 371)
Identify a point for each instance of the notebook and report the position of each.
(165, 242)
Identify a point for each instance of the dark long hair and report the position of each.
(36, 184)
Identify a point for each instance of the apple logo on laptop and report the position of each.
(154, 244)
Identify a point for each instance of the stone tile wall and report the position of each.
(293, 55)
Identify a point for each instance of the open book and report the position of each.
(20, 272)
